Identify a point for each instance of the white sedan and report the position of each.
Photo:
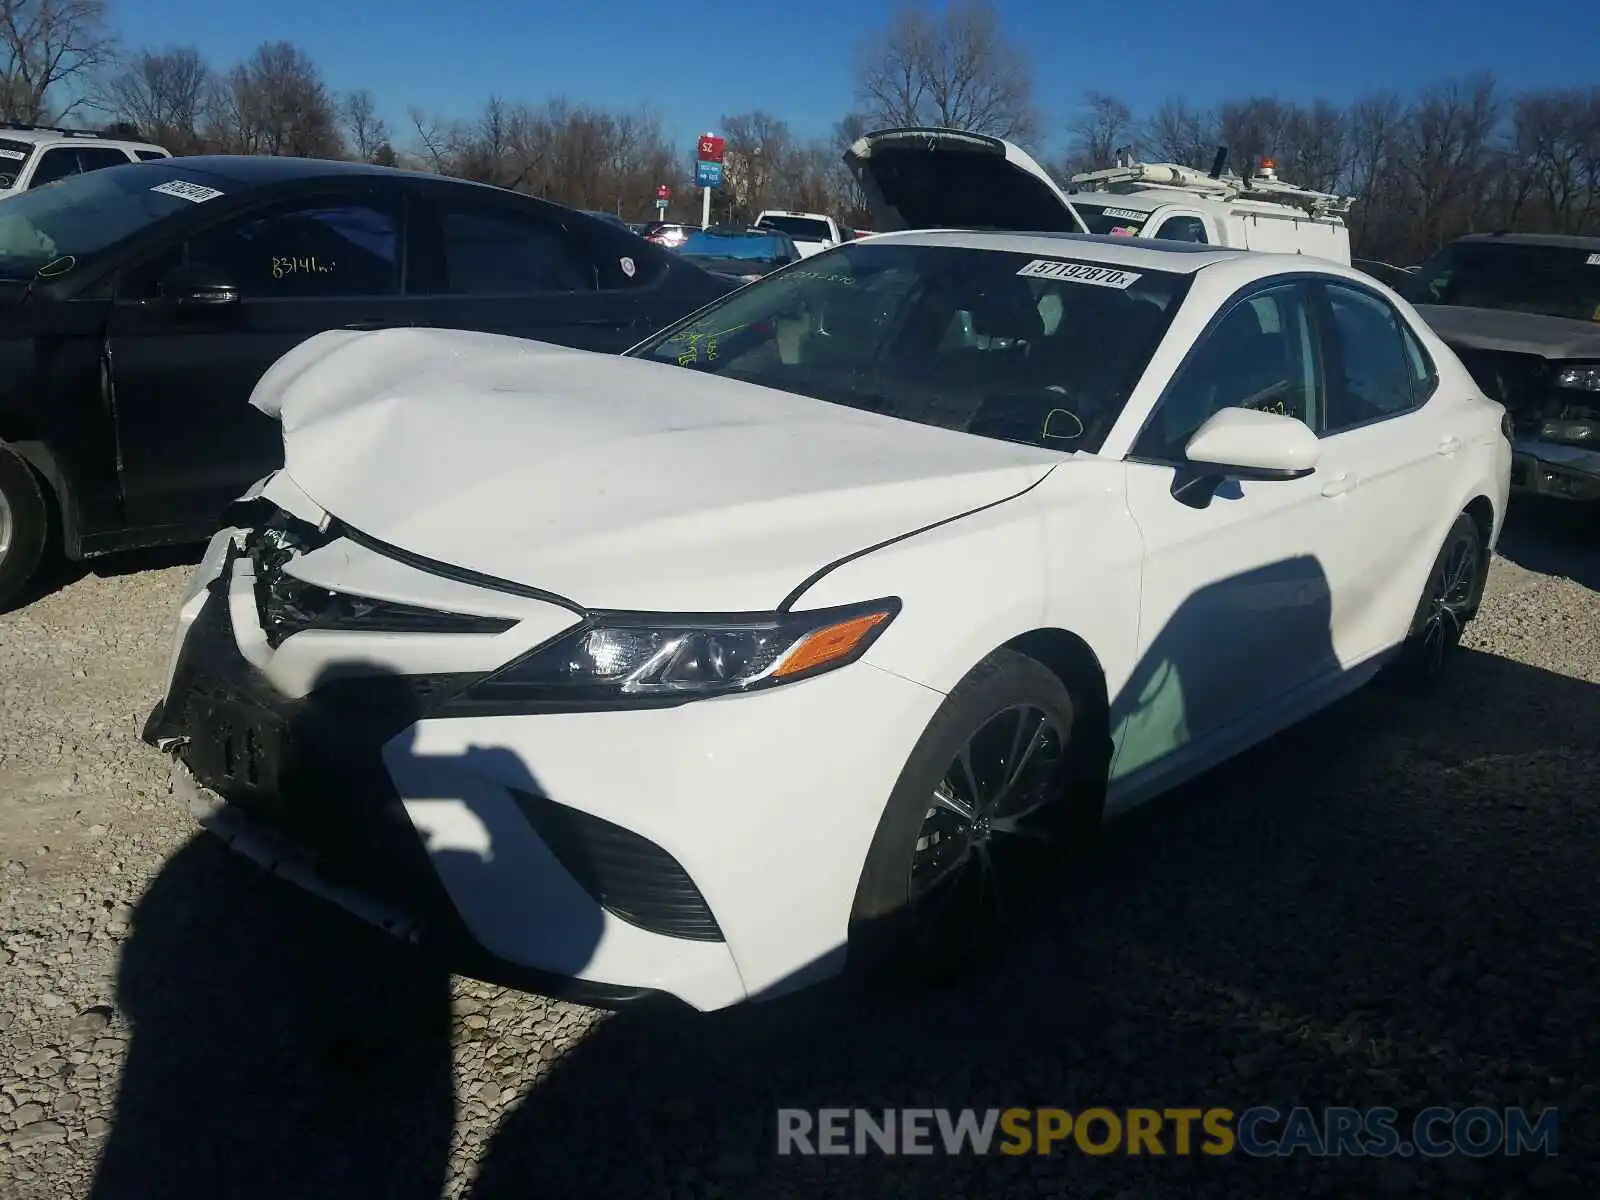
(813, 627)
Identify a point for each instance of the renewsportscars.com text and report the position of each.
(1260, 1131)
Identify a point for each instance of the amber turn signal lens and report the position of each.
(823, 646)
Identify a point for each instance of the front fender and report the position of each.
(971, 586)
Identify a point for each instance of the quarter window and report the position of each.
(1378, 372)
(325, 247)
(496, 254)
(1261, 355)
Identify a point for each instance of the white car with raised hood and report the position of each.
(807, 631)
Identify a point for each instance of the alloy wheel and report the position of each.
(987, 827)
(1449, 599)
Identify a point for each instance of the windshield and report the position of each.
(1004, 345)
(82, 215)
(1550, 281)
(1108, 220)
(807, 229)
(737, 245)
(13, 157)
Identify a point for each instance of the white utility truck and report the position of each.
(1258, 211)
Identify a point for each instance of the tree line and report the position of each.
(1454, 156)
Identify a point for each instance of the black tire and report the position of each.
(1449, 601)
(893, 938)
(24, 526)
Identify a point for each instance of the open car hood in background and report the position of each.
(946, 179)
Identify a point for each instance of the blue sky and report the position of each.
(696, 60)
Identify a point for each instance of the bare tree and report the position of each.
(164, 94)
(957, 71)
(49, 46)
(1180, 133)
(1444, 156)
(760, 165)
(1103, 127)
(366, 131)
(276, 103)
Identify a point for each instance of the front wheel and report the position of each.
(24, 526)
(982, 808)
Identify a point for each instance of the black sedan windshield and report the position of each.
(1549, 281)
(84, 214)
(1024, 348)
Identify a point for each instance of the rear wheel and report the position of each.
(982, 809)
(24, 526)
(1449, 600)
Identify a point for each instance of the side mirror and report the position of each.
(196, 285)
(1244, 444)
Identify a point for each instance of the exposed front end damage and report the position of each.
(1554, 408)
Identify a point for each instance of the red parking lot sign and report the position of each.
(663, 192)
(712, 149)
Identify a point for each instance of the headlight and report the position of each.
(639, 659)
(1585, 379)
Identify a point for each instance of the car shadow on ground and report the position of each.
(1336, 918)
(1379, 906)
(1554, 537)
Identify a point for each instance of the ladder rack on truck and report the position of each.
(1262, 186)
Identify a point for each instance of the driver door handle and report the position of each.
(1340, 484)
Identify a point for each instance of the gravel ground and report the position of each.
(1395, 903)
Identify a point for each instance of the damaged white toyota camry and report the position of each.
(800, 637)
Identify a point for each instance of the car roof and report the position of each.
(264, 168)
(39, 135)
(1181, 258)
(1562, 240)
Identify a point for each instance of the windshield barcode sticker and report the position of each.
(186, 191)
(1045, 268)
(19, 155)
(1125, 214)
(1594, 260)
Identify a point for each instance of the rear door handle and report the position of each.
(1449, 445)
(1340, 484)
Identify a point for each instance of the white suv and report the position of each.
(34, 155)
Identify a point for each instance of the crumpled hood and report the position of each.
(1519, 333)
(614, 482)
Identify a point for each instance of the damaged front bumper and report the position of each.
(1545, 468)
(299, 787)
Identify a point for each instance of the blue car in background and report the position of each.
(739, 253)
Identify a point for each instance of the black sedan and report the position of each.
(142, 303)
(744, 255)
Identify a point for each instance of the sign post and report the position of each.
(663, 194)
(708, 172)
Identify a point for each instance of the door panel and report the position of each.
(1235, 612)
(1394, 451)
(1236, 607)
(188, 439)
